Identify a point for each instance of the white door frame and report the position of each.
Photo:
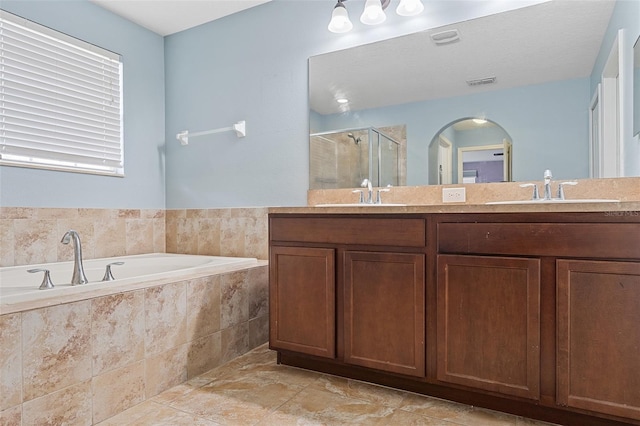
(445, 160)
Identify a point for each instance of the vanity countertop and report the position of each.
(626, 208)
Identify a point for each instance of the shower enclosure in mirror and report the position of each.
(344, 158)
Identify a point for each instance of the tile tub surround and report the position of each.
(623, 189)
(84, 362)
(241, 232)
(32, 235)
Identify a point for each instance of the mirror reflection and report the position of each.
(344, 158)
(522, 69)
(470, 150)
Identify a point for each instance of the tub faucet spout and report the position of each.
(78, 270)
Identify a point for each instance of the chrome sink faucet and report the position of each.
(78, 270)
(547, 188)
(547, 184)
(367, 184)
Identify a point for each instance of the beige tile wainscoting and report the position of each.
(86, 361)
(32, 235)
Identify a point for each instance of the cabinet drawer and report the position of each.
(596, 240)
(399, 232)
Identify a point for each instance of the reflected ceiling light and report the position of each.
(409, 7)
(373, 13)
(340, 22)
(342, 100)
(479, 120)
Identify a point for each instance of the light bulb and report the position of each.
(373, 13)
(409, 7)
(340, 22)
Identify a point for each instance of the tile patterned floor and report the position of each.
(254, 390)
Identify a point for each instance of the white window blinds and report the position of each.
(60, 101)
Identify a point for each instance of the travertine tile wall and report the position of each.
(623, 189)
(83, 362)
(32, 235)
(241, 232)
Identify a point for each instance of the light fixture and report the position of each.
(342, 100)
(340, 22)
(409, 7)
(373, 13)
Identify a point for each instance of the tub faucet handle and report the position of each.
(46, 280)
(108, 276)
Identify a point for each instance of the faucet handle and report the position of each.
(561, 188)
(46, 280)
(108, 276)
(361, 196)
(378, 199)
(535, 195)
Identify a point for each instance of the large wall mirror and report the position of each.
(530, 69)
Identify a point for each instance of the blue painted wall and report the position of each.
(143, 89)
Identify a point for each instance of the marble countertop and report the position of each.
(631, 208)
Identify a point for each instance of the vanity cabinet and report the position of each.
(536, 314)
(302, 300)
(384, 322)
(489, 323)
(350, 288)
(599, 336)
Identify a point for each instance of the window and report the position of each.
(60, 101)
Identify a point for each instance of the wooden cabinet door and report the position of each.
(598, 350)
(302, 300)
(488, 323)
(384, 314)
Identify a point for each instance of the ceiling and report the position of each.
(552, 41)
(167, 17)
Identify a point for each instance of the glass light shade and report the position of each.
(373, 13)
(340, 22)
(409, 7)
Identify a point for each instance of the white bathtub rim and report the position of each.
(67, 294)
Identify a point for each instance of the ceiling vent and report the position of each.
(445, 37)
(481, 81)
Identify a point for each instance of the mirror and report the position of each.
(521, 68)
(470, 150)
(344, 158)
(636, 87)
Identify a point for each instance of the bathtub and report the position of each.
(19, 289)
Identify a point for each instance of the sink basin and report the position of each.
(585, 200)
(359, 205)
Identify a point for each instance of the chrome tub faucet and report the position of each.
(78, 270)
